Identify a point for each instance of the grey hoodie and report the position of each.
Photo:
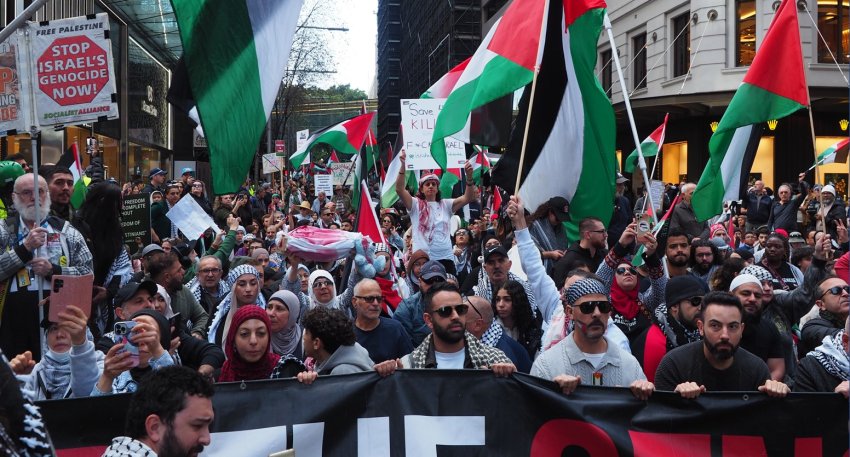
(346, 359)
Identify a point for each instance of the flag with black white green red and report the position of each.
(503, 63)
(236, 53)
(648, 147)
(388, 193)
(480, 165)
(570, 109)
(347, 137)
(836, 153)
(774, 87)
(71, 160)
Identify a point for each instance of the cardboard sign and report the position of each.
(271, 163)
(343, 171)
(136, 220)
(301, 138)
(418, 117)
(324, 183)
(73, 70)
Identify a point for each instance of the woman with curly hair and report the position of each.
(722, 277)
(517, 317)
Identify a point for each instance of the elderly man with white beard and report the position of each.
(33, 248)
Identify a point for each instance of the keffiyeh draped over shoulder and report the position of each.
(832, 356)
(484, 288)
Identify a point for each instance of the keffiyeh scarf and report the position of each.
(832, 356)
(484, 288)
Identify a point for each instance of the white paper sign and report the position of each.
(190, 218)
(73, 70)
(14, 95)
(418, 117)
(343, 171)
(657, 192)
(301, 138)
(324, 183)
(271, 163)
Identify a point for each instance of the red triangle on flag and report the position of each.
(367, 220)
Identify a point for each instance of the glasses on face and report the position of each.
(370, 298)
(461, 233)
(588, 306)
(446, 311)
(430, 184)
(434, 280)
(836, 290)
(597, 231)
(320, 284)
(695, 301)
(473, 308)
(29, 193)
(209, 271)
(623, 270)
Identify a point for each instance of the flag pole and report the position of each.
(641, 160)
(542, 39)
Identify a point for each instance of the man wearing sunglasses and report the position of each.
(717, 364)
(832, 300)
(449, 346)
(586, 355)
(384, 338)
(411, 310)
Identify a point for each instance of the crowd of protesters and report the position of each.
(756, 299)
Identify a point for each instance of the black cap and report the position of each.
(129, 291)
(494, 251)
(561, 207)
(682, 287)
(431, 269)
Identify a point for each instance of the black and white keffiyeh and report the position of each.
(832, 356)
(584, 287)
(484, 289)
(493, 334)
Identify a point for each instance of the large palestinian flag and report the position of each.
(235, 53)
(774, 87)
(346, 137)
(570, 150)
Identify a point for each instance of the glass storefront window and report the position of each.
(19, 144)
(141, 159)
(832, 173)
(674, 162)
(745, 46)
(106, 145)
(834, 25)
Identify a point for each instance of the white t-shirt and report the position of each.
(450, 360)
(437, 241)
(594, 359)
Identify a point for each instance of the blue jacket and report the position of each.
(515, 352)
(409, 314)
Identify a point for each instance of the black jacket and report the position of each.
(812, 377)
(811, 336)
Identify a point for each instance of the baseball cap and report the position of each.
(493, 251)
(156, 172)
(561, 207)
(796, 237)
(131, 288)
(187, 170)
(431, 269)
(621, 179)
(151, 248)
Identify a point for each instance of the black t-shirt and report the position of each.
(785, 275)
(762, 340)
(387, 341)
(688, 364)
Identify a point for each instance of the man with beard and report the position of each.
(497, 271)
(169, 416)
(705, 259)
(674, 323)
(590, 250)
(716, 363)
(677, 254)
(208, 287)
(449, 346)
(411, 311)
(34, 248)
(60, 182)
(586, 355)
(832, 212)
(165, 269)
(833, 302)
(760, 337)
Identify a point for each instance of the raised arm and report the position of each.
(545, 290)
(469, 194)
(402, 192)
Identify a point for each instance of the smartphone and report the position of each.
(123, 332)
(644, 224)
(70, 290)
(175, 322)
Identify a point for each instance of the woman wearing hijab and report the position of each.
(248, 347)
(323, 291)
(245, 286)
(430, 214)
(284, 310)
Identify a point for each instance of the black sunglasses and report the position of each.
(696, 301)
(836, 290)
(434, 280)
(631, 270)
(588, 306)
(319, 284)
(446, 311)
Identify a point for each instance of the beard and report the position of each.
(702, 268)
(449, 336)
(27, 211)
(722, 351)
(170, 447)
(678, 261)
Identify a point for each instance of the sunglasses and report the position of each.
(695, 301)
(836, 290)
(631, 270)
(446, 311)
(434, 280)
(431, 183)
(588, 306)
(319, 284)
(370, 299)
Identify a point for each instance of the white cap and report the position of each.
(828, 188)
(744, 279)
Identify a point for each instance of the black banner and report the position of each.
(136, 220)
(473, 413)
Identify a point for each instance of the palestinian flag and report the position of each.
(503, 63)
(236, 53)
(444, 86)
(448, 180)
(837, 153)
(649, 147)
(370, 144)
(347, 137)
(570, 108)
(480, 166)
(762, 96)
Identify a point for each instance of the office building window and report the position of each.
(834, 26)
(745, 31)
(639, 64)
(605, 78)
(682, 46)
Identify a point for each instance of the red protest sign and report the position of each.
(279, 147)
(73, 70)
